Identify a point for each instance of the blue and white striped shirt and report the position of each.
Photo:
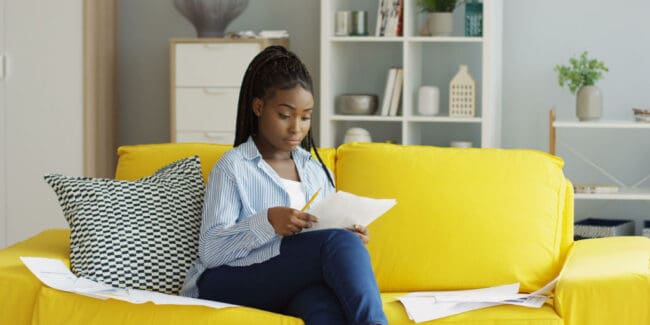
(235, 230)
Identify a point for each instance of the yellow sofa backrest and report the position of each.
(138, 161)
(464, 218)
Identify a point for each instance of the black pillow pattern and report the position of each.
(134, 234)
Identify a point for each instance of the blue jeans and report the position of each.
(323, 277)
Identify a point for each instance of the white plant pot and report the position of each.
(589, 103)
(440, 23)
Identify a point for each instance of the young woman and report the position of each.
(251, 249)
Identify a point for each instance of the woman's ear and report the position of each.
(257, 106)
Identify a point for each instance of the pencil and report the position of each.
(313, 197)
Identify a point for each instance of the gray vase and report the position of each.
(210, 17)
(589, 103)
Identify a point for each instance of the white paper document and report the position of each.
(344, 210)
(55, 274)
(429, 305)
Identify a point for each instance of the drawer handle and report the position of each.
(213, 46)
(213, 135)
(212, 91)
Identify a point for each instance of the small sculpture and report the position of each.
(210, 17)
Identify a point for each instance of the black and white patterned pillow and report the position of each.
(134, 234)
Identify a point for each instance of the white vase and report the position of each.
(440, 23)
(428, 101)
(589, 103)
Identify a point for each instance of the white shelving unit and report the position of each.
(633, 195)
(359, 65)
(634, 191)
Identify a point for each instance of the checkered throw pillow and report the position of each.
(134, 234)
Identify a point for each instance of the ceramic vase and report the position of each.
(440, 23)
(210, 17)
(589, 103)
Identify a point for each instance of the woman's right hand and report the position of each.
(288, 221)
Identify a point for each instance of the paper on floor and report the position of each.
(55, 274)
(344, 210)
(429, 305)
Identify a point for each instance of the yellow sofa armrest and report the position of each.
(605, 281)
(19, 288)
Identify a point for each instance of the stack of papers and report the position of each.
(55, 274)
(344, 210)
(429, 305)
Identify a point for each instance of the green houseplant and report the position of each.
(581, 75)
(439, 18)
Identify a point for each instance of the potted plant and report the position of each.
(581, 74)
(439, 18)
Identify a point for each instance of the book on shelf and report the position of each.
(397, 92)
(388, 91)
(390, 16)
(595, 188)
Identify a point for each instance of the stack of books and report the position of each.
(392, 92)
(390, 18)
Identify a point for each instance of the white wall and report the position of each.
(43, 100)
(537, 36)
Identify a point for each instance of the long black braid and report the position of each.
(273, 68)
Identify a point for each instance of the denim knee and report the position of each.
(343, 235)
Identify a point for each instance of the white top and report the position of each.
(296, 194)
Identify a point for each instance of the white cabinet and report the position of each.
(206, 74)
(41, 111)
(359, 64)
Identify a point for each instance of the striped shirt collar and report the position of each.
(249, 151)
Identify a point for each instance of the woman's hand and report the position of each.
(362, 232)
(288, 221)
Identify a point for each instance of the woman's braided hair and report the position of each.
(273, 68)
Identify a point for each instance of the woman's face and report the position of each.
(284, 117)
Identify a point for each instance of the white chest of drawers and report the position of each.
(205, 77)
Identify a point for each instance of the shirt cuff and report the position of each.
(261, 227)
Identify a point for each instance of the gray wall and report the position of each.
(537, 36)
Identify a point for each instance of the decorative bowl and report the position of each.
(357, 135)
(356, 104)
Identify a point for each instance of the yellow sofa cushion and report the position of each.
(138, 161)
(497, 315)
(465, 218)
(57, 307)
(604, 275)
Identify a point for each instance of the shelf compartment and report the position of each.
(444, 39)
(435, 64)
(602, 124)
(444, 119)
(365, 39)
(442, 134)
(351, 72)
(379, 131)
(640, 194)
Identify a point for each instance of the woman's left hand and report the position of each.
(362, 232)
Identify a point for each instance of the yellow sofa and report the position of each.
(465, 218)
